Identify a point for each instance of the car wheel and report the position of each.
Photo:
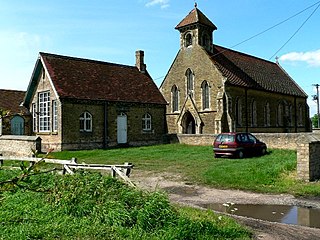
(263, 151)
(240, 154)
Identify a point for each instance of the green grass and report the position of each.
(272, 173)
(92, 206)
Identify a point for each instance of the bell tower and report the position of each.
(196, 28)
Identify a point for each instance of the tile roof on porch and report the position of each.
(85, 79)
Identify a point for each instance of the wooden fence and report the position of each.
(123, 171)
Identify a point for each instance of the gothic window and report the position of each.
(205, 95)
(85, 122)
(238, 112)
(175, 98)
(254, 113)
(188, 39)
(300, 116)
(267, 115)
(190, 81)
(146, 122)
(280, 115)
(205, 40)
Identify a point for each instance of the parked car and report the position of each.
(238, 145)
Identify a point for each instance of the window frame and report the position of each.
(34, 117)
(44, 105)
(175, 98)
(54, 116)
(205, 95)
(147, 122)
(85, 121)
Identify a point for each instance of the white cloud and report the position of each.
(163, 3)
(311, 58)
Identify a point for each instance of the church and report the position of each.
(211, 89)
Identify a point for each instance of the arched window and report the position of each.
(267, 115)
(146, 122)
(175, 98)
(85, 122)
(205, 95)
(300, 116)
(188, 39)
(290, 122)
(254, 113)
(238, 112)
(190, 81)
(205, 40)
(280, 115)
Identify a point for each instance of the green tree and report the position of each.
(314, 121)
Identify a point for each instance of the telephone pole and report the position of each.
(316, 97)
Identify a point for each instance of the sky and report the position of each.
(113, 30)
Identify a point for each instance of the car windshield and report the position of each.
(225, 138)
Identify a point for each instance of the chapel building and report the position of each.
(211, 89)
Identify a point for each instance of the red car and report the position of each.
(238, 145)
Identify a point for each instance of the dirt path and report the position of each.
(185, 193)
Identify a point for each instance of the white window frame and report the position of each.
(85, 122)
(54, 116)
(147, 122)
(44, 111)
(34, 117)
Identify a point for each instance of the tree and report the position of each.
(314, 121)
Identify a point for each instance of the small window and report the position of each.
(34, 117)
(267, 115)
(44, 111)
(280, 115)
(55, 116)
(175, 98)
(254, 113)
(205, 95)
(190, 81)
(85, 122)
(188, 40)
(146, 122)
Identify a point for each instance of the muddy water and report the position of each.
(274, 213)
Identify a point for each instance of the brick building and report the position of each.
(16, 119)
(84, 104)
(212, 89)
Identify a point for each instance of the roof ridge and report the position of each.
(84, 59)
(12, 90)
(242, 53)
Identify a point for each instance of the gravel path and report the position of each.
(185, 193)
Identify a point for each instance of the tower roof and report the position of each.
(195, 16)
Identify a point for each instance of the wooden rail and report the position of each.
(122, 171)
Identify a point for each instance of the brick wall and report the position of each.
(21, 146)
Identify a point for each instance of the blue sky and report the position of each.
(113, 30)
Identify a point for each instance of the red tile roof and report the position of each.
(252, 72)
(10, 100)
(195, 16)
(77, 78)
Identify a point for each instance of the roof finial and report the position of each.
(277, 59)
(195, 4)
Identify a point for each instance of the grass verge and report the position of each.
(272, 173)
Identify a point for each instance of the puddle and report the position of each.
(309, 217)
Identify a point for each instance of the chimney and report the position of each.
(140, 61)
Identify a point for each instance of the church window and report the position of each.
(205, 95)
(267, 115)
(188, 40)
(280, 115)
(238, 112)
(254, 113)
(85, 122)
(146, 122)
(300, 116)
(205, 40)
(190, 82)
(175, 98)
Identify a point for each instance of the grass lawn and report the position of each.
(272, 173)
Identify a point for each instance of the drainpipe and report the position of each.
(105, 129)
(247, 122)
